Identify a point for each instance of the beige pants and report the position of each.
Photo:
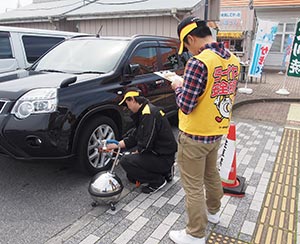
(198, 171)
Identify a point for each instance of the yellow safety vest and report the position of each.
(211, 116)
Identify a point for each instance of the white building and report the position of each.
(236, 21)
(110, 17)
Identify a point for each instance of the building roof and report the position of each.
(260, 3)
(276, 3)
(233, 3)
(134, 7)
(42, 10)
(109, 8)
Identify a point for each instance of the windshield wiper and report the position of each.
(50, 70)
(90, 72)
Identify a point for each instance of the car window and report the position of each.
(36, 46)
(185, 56)
(169, 58)
(146, 58)
(5, 47)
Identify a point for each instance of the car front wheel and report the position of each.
(90, 159)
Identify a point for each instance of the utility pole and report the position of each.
(211, 10)
(250, 4)
(206, 10)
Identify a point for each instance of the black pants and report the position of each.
(147, 167)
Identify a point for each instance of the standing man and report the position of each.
(204, 97)
(154, 141)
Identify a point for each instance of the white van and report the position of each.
(20, 47)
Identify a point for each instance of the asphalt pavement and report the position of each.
(267, 149)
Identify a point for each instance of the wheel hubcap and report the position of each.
(97, 159)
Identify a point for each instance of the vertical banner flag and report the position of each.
(265, 36)
(294, 65)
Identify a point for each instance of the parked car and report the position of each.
(68, 100)
(21, 47)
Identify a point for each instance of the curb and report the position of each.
(263, 100)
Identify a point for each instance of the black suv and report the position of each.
(68, 100)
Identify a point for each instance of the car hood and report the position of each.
(15, 84)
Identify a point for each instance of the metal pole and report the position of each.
(206, 10)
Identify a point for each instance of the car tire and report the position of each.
(90, 160)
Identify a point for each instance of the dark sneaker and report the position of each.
(134, 181)
(151, 188)
(170, 175)
(131, 179)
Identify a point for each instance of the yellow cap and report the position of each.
(185, 30)
(129, 94)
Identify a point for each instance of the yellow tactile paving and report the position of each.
(278, 219)
(216, 238)
(293, 113)
(293, 117)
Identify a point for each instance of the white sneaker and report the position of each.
(213, 218)
(181, 237)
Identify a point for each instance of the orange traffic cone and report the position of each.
(232, 184)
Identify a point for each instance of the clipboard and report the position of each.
(168, 75)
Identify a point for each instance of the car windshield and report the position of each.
(83, 56)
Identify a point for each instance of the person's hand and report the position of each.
(108, 147)
(111, 146)
(177, 83)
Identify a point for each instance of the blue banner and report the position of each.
(265, 36)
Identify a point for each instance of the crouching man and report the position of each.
(152, 162)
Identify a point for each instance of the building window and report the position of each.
(234, 45)
(238, 47)
(284, 29)
(276, 46)
(290, 28)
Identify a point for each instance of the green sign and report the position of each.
(294, 65)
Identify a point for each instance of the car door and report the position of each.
(170, 60)
(145, 56)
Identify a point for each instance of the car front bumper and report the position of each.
(39, 136)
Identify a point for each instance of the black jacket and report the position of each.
(153, 132)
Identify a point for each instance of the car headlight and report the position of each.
(37, 101)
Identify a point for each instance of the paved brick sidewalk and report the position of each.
(264, 104)
(147, 219)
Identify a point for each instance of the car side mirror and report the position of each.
(133, 69)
